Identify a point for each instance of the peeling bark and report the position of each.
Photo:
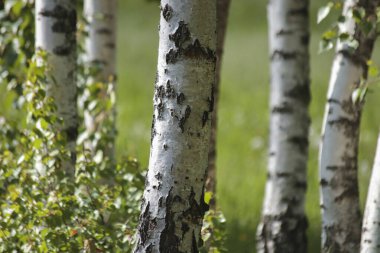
(55, 34)
(222, 9)
(283, 224)
(341, 217)
(370, 241)
(173, 202)
(100, 48)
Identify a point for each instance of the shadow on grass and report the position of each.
(241, 238)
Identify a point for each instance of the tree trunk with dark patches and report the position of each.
(100, 49)
(283, 224)
(341, 217)
(56, 35)
(173, 203)
(370, 241)
(222, 9)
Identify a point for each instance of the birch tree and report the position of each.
(100, 47)
(283, 224)
(341, 217)
(370, 241)
(173, 202)
(222, 9)
(56, 35)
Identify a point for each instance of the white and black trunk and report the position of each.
(283, 224)
(173, 203)
(100, 46)
(370, 241)
(341, 217)
(56, 35)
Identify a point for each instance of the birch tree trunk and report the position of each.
(341, 218)
(173, 203)
(222, 9)
(100, 48)
(283, 224)
(56, 35)
(370, 241)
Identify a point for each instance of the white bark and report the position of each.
(173, 204)
(55, 34)
(341, 218)
(100, 46)
(370, 242)
(283, 225)
(101, 40)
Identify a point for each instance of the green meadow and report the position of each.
(243, 119)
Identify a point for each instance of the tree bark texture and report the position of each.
(370, 241)
(56, 35)
(341, 217)
(222, 9)
(173, 202)
(283, 224)
(100, 46)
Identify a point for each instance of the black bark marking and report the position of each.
(185, 228)
(167, 12)
(172, 56)
(333, 101)
(165, 146)
(196, 211)
(158, 176)
(284, 55)
(160, 110)
(183, 119)
(211, 100)
(323, 182)
(301, 92)
(71, 133)
(65, 23)
(194, 246)
(284, 32)
(146, 223)
(350, 127)
(110, 45)
(64, 50)
(153, 130)
(180, 98)
(290, 239)
(301, 142)
(204, 118)
(282, 109)
(305, 40)
(104, 31)
(181, 35)
(169, 91)
(169, 241)
(193, 51)
(300, 185)
(299, 12)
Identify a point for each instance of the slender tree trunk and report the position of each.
(100, 48)
(370, 241)
(283, 225)
(341, 218)
(56, 35)
(222, 8)
(173, 203)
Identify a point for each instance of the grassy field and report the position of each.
(243, 120)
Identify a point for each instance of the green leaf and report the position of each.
(208, 197)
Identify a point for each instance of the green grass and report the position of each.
(243, 118)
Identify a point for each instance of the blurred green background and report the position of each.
(243, 118)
